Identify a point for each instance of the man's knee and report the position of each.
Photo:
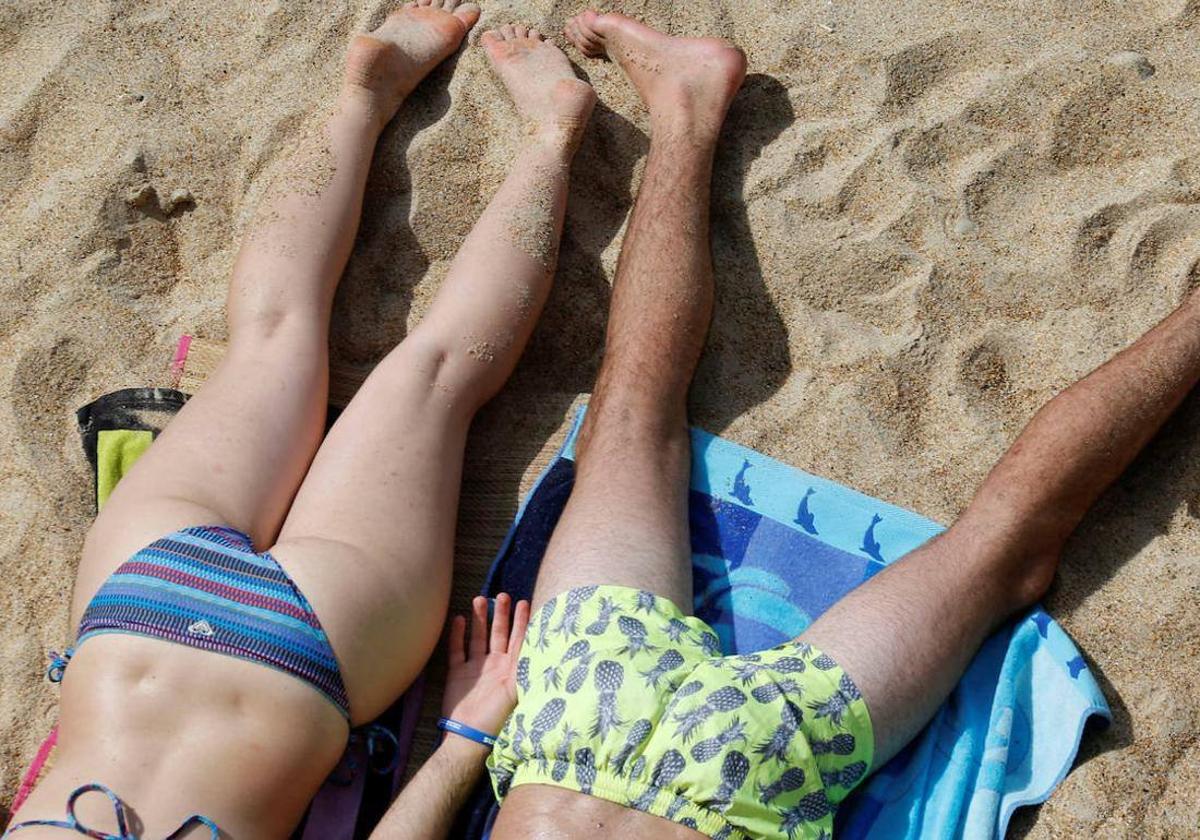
(633, 429)
(1007, 559)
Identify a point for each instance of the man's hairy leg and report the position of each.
(626, 521)
(906, 635)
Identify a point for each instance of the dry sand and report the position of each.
(930, 216)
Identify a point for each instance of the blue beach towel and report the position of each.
(773, 547)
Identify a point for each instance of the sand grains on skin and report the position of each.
(538, 77)
(554, 106)
(529, 224)
(390, 61)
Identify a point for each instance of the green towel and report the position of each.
(116, 451)
(117, 428)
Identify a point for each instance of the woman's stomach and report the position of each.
(175, 731)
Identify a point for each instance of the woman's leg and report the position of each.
(237, 452)
(370, 536)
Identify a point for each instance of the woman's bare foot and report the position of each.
(539, 79)
(692, 80)
(387, 63)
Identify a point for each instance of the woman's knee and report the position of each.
(429, 371)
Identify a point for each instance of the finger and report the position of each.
(478, 626)
(456, 648)
(520, 623)
(499, 641)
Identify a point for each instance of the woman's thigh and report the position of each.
(233, 456)
(370, 536)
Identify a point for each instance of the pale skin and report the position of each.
(364, 521)
(906, 635)
(480, 690)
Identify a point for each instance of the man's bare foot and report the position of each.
(388, 62)
(539, 79)
(688, 80)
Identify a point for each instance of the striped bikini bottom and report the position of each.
(207, 588)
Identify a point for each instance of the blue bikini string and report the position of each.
(58, 664)
(72, 822)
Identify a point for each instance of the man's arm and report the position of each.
(426, 808)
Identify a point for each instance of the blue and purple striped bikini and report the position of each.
(207, 588)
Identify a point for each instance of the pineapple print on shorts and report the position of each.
(621, 696)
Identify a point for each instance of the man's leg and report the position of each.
(626, 521)
(906, 635)
(237, 451)
(370, 536)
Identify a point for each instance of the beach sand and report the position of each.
(929, 218)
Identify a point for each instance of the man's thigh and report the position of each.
(626, 521)
(906, 635)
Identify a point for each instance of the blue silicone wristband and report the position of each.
(468, 732)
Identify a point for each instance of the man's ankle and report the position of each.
(681, 131)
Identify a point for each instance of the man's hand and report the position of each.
(481, 687)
